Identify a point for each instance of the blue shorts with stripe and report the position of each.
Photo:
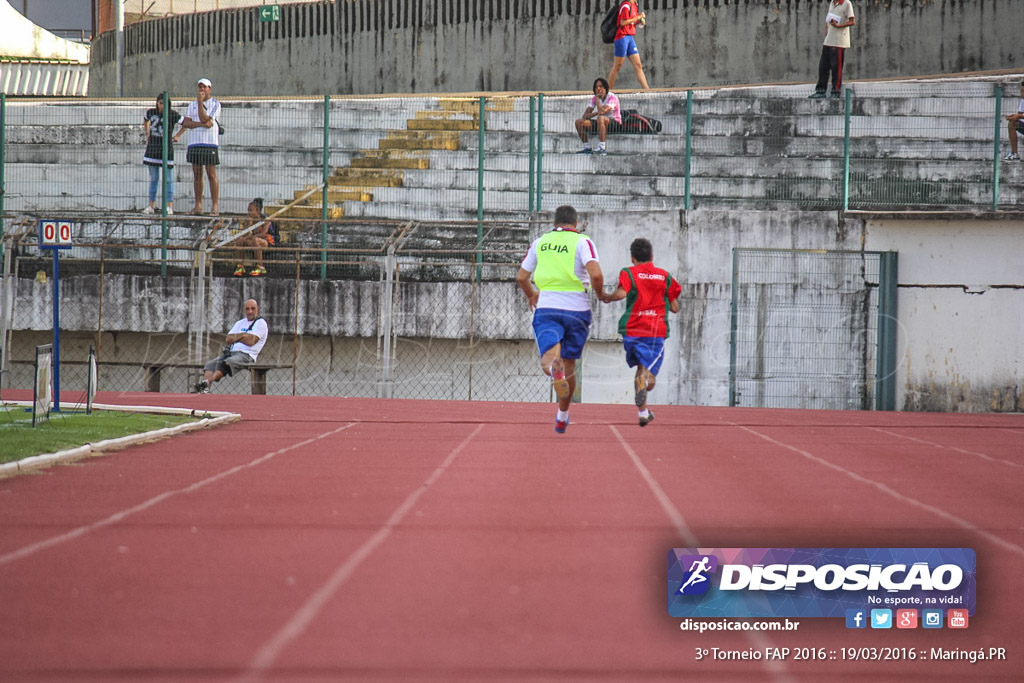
(569, 328)
(645, 351)
(626, 46)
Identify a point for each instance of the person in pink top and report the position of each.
(604, 108)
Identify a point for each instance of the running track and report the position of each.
(329, 539)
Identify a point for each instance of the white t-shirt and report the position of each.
(257, 327)
(204, 136)
(566, 301)
(838, 37)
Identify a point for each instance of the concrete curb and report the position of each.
(216, 418)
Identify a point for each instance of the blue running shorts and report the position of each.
(645, 351)
(554, 326)
(626, 46)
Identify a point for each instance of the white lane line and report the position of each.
(300, 621)
(963, 523)
(123, 514)
(952, 448)
(759, 639)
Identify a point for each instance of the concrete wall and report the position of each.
(960, 303)
(379, 46)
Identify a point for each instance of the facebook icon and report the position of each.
(856, 618)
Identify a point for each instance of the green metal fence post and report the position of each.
(3, 168)
(689, 144)
(995, 148)
(540, 149)
(324, 193)
(533, 158)
(846, 150)
(168, 127)
(481, 135)
(885, 366)
(732, 326)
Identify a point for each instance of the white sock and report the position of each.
(644, 413)
(586, 145)
(600, 145)
(562, 415)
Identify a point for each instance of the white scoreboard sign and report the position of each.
(54, 234)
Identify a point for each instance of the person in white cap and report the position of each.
(202, 119)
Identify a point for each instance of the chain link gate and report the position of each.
(813, 329)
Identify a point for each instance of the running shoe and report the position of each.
(148, 210)
(1011, 157)
(239, 270)
(585, 150)
(561, 425)
(644, 421)
(640, 386)
(601, 151)
(202, 387)
(257, 271)
(559, 381)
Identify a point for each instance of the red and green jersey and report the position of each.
(649, 290)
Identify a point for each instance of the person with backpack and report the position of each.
(625, 42)
(265, 235)
(604, 109)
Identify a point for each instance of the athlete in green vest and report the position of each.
(564, 266)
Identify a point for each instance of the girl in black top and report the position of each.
(153, 158)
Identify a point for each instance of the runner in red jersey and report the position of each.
(650, 293)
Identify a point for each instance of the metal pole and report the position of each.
(481, 134)
(386, 309)
(995, 148)
(689, 145)
(56, 330)
(324, 193)
(732, 327)
(3, 162)
(885, 372)
(168, 129)
(846, 151)
(540, 148)
(119, 46)
(532, 164)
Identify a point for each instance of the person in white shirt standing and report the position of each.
(202, 119)
(1015, 125)
(838, 21)
(242, 346)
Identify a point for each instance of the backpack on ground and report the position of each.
(610, 23)
(635, 122)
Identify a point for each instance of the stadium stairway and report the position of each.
(914, 144)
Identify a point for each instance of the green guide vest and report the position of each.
(556, 262)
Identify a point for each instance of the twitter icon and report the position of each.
(881, 618)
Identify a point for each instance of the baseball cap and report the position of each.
(205, 81)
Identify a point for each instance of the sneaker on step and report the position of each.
(585, 150)
(1011, 157)
(561, 425)
(202, 387)
(818, 95)
(601, 151)
(148, 210)
(644, 421)
(239, 270)
(640, 389)
(170, 211)
(257, 271)
(558, 380)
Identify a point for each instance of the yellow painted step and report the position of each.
(307, 212)
(367, 177)
(348, 194)
(419, 140)
(441, 124)
(389, 162)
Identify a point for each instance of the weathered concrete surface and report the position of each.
(960, 311)
(404, 46)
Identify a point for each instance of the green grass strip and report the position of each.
(64, 430)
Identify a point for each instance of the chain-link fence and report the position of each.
(425, 310)
(452, 158)
(810, 330)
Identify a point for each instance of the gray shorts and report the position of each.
(229, 364)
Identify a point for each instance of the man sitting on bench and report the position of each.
(242, 345)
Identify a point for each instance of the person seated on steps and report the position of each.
(264, 236)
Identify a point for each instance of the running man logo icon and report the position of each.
(695, 581)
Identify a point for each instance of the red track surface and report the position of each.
(323, 539)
